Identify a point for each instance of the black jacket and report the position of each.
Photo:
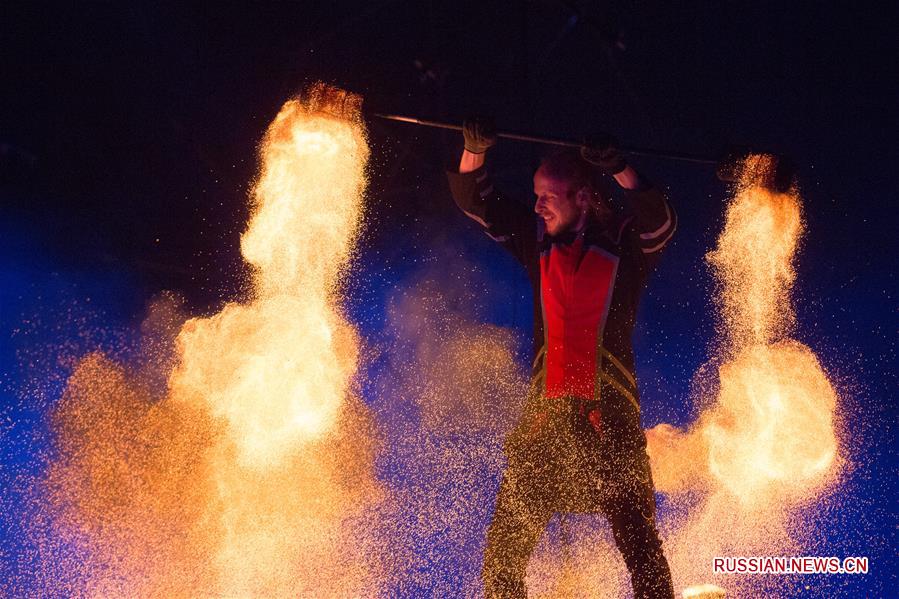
(633, 238)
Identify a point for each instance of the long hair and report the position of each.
(568, 165)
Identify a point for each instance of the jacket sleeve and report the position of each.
(506, 221)
(652, 218)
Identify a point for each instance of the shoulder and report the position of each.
(614, 231)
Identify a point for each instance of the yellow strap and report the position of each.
(621, 389)
(603, 376)
(619, 365)
(539, 355)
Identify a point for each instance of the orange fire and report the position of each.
(768, 441)
(771, 436)
(770, 433)
(277, 369)
(245, 479)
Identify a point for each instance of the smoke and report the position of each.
(234, 456)
(447, 391)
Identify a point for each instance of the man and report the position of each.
(578, 446)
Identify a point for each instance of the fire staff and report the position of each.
(578, 446)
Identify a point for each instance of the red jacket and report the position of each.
(586, 287)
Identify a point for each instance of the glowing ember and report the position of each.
(703, 591)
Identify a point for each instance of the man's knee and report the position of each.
(505, 557)
(519, 518)
(510, 541)
(634, 528)
(638, 540)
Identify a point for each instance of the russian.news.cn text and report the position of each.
(789, 565)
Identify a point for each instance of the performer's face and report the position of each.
(559, 205)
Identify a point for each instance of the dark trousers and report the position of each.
(556, 463)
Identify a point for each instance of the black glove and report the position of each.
(479, 133)
(601, 149)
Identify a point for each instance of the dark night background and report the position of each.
(128, 136)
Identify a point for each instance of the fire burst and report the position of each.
(245, 479)
(277, 369)
(771, 430)
(767, 442)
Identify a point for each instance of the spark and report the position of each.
(243, 480)
(767, 442)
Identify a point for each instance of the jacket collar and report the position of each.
(565, 237)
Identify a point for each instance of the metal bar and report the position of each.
(554, 141)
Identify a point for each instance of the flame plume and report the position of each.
(767, 443)
(278, 368)
(246, 478)
(754, 259)
(771, 430)
(770, 434)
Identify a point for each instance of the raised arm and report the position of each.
(504, 220)
(471, 161)
(652, 218)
